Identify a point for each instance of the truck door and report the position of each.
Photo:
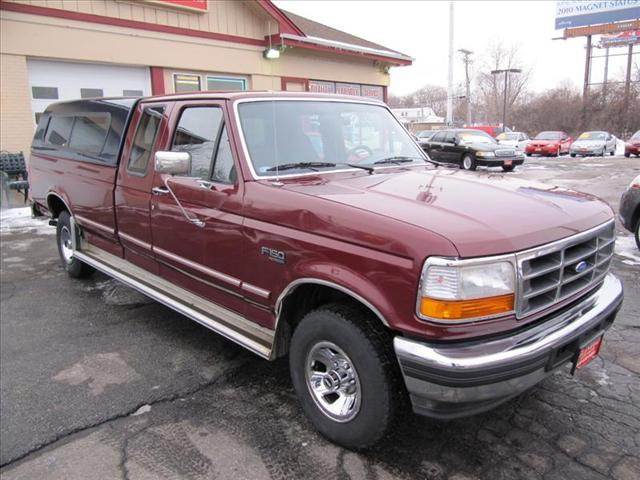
(198, 239)
(135, 177)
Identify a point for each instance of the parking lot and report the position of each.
(99, 382)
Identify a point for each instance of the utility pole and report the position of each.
(466, 60)
(606, 76)
(585, 88)
(450, 79)
(627, 85)
(506, 72)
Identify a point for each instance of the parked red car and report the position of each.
(549, 144)
(314, 227)
(632, 147)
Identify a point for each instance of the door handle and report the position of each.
(159, 191)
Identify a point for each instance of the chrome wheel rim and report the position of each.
(66, 246)
(466, 163)
(333, 382)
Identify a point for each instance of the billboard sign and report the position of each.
(631, 37)
(578, 13)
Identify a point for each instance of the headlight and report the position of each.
(465, 290)
(485, 154)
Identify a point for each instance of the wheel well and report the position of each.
(56, 205)
(299, 302)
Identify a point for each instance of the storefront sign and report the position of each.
(348, 89)
(321, 87)
(578, 13)
(194, 5)
(372, 91)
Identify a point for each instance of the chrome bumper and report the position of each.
(455, 380)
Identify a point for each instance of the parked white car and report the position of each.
(517, 140)
(594, 143)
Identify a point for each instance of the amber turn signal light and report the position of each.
(466, 309)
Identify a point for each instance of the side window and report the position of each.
(438, 137)
(144, 139)
(224, 170)
(196, 133)
(59, 131)
(89, 132)
(450, 137)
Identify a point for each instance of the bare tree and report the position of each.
(490, 88)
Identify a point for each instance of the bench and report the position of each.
(13, 170)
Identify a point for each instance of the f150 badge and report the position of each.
(274, 255)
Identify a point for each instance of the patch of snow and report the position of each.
(142, 410)
(18, 220)
(626, 248)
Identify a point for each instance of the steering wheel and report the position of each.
(359, 153)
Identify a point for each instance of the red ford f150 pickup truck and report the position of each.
(315, 227)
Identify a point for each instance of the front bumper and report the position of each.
(588, 151)
(454, 380)
(499, 161)
(632, 150)
(533, 150)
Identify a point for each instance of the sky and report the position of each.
(420, 29)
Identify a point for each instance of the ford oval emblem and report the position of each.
(581, 267)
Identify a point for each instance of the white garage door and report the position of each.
(51, 81)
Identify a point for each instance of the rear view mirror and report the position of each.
(173, 163)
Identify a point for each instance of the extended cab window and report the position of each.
(197, 132)
(144, 139)
(89, 132)
(59, 131)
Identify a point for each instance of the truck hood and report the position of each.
(481, 214)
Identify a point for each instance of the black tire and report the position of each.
(573, 155)
(471, 162)
(508, 168)
(369, 348)
(558, 153)
(637, 235)
(627, 154)
(74, 267)
(612, 153)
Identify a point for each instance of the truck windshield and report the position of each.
(303, 136)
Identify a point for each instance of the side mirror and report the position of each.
(173, 163)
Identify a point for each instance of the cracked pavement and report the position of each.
(96, 381)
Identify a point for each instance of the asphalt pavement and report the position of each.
(99, 382)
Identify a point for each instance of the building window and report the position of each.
(48, 93)
(132, 93)
(186, 83)
(226, 83)
(91, 92)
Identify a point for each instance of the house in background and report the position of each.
(418, 118)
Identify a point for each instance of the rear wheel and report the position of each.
(345, 374)
(74, 267)
(468, 162)
(612, 153)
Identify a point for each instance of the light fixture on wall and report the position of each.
(271, 53)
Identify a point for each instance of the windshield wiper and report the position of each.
(309, 165)
(403, 159)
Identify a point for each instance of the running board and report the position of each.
(229, 324)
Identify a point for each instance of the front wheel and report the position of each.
(74, 267)
(573, 155)
(345, 375)
(469, 163)
(638, 234)
(627, 154)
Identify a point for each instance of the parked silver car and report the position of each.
(517, 140)
(594, 143)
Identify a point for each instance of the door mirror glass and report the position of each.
(173, 163)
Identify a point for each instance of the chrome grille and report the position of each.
(505, 152)
(549, 274)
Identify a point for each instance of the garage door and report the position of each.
(51, 81)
